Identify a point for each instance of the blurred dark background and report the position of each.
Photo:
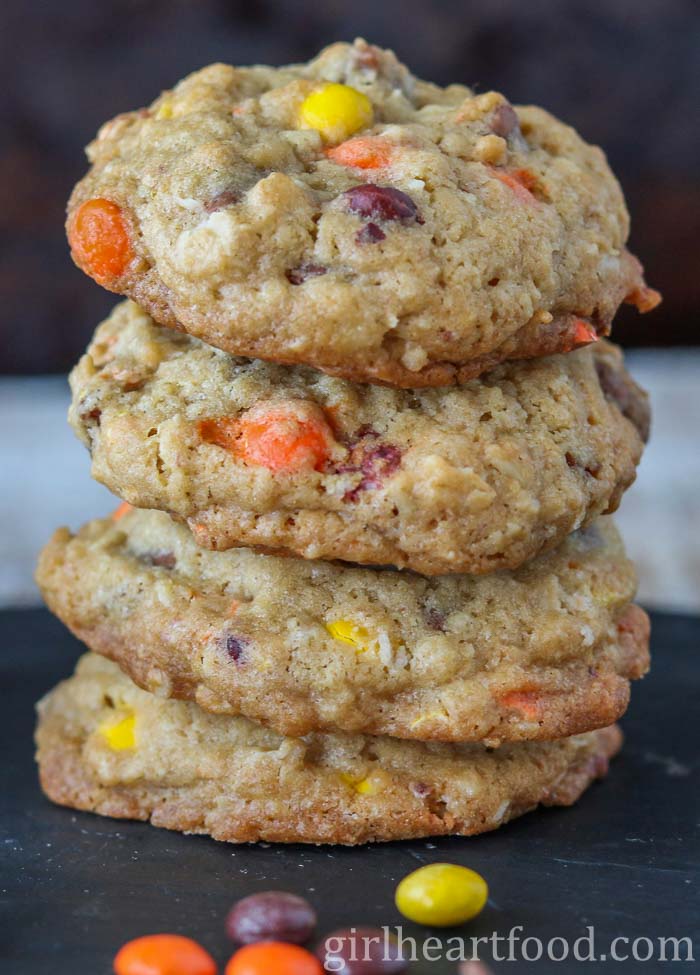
(626, 73)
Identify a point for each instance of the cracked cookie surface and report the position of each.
(543, 652)
(186, 770)
(345, 215)
(472, 478)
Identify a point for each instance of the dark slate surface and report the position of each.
(626, 859)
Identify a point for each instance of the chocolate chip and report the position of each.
(382, 461)
(382, 203)
(375, 461)
(593, 470)
(361, 951)
(370, 234)
(297, 275)
(93, 415)
(435, 619)
(421, 790)
(376, 465)
(273, 915)
(504, 120)
(630, 401)
(166, 560)
(222, 200)
(367, 58)
(235, 647)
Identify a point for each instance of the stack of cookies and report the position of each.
(367, 430)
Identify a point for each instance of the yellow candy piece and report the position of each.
(365, 787)
(348, 632)
(120, 735)
(336, 111)
(164, 111)
(442, 895)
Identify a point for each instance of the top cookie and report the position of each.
(345, 215)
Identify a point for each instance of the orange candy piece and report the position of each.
(527, 702)
(644, 298)
(274, 436)
(123, 509)
(99, 240)
(273, 958)
(583, 333)
(521, 181)
(369, 152)
(163, 954)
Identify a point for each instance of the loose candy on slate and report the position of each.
(163, 954)
(273, 958)
(271, 915)
(442, 895)
(361, 951)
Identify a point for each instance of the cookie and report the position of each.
(343, 214)
(108, 747)
(466, 479)
(544, 652)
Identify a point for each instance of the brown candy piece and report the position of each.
(370, 234)
(297, 275)
(361, 951)
(235, 647)
(382, 203)
(273, 915)
(166, 560)
(222, 200)
(504, 120)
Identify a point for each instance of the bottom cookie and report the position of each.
(108, 747)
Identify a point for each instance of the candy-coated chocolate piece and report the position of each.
(363, 152)
(348, 632)
(361, 951)
(382, 203)
(121, 734)
(521, 181)
(163, 954)
(273, 958)
(442, 895)
(271, 914)
(282, 437)
(123, 509)
(364, 786)
(99, 240)
(584, 333)
(336, 111)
